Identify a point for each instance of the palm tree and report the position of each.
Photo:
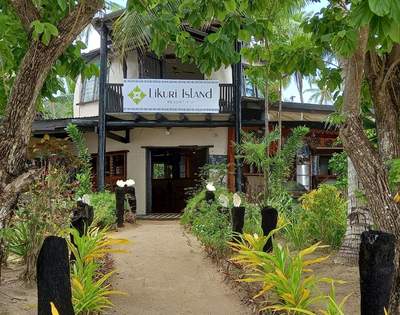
(359, 220)
(61, 105)
(320, 96)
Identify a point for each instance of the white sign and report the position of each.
(170, 96)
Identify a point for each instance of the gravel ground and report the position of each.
(166, 272)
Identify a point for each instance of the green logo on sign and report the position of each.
(137, 95)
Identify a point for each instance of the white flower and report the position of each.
(130, 182)
(86, 199)
(120, 183)
(236, 200)
(210, 187)
(223, 200)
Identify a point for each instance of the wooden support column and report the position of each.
(101, 150)
(237, 79)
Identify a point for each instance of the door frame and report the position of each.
(148, 159)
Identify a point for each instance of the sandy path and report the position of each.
(166, 272)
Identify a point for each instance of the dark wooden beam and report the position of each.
(207, 117)
(169, 123)
(137, 117)
(183, 117)
(160, 117)
(111, 117)
(122, 139)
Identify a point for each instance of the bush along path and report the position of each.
(167, 272)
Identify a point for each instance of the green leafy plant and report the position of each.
(275, 167)
(211, 223)
(324, 215)
(288, 283)
(294, 231)
(252, 218)
(104, 208)
(43, 31)
(18, 239)
(44, 210)
(90, 288)
(192, 206)
(338, 165)
(214, 173)
(394, 174)
(212, 227)
(333, 307)
(84, 176)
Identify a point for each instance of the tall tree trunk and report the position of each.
(299, 83)
(358, 220)
(369, 162)
(15, 130)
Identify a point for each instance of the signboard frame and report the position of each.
(170, 96)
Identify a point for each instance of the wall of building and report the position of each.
(223, 75)
(115, 75)
(147, 137)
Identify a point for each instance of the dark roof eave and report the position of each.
(57, 126)
(292, 106)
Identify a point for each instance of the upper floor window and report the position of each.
(168, 67)
(90, 90)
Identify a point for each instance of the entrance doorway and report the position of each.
(170, 172)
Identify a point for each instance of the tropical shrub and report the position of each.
(338, 165)
(84, 175)
(214, 173)
(285, 277)
(90, 290)
(252, 218)
(44, 210)
(104, 208)
(212, 227)
(192, 205)
(211, 223)
(323, 215)
(276, 167)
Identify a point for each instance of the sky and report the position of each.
(290, 93)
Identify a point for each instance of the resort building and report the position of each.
(158, 121)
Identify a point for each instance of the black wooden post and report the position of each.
(376, 263)
(120, 205)
(102, 109)
(210, 196)
(82, 217)
(237, 92)
(238, 219)
(269, 220)
(53, 278)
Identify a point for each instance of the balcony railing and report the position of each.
(115, 98)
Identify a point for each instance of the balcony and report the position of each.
(114, 97)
